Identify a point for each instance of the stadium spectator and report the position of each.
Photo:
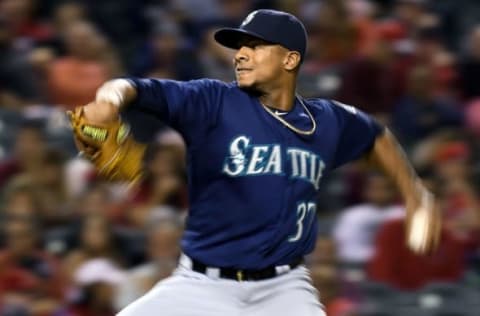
(452, 164)
(215, 59)
(469, 66)
(19, 83)
(325, 252)
(90, 61)
(326, 279)
(420, 113)
(29, 278)
(163, 236)
(401, 268)
(96, 239)
(378, 94)
(96, 282)
(409, 13)
(164, 185)
(165, 55)
(28, 153)
(357, 226)
(21, 20)
(49, 185)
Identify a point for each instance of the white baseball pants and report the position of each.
(189, 293)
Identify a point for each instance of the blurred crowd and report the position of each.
(74, 245)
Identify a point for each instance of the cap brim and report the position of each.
(231, 37)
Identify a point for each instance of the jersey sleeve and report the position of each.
(358, 132)
(191, 107)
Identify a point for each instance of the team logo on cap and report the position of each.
(249, 18)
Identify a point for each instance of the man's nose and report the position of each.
(242, 54)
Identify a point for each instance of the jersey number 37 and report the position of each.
(305, 215)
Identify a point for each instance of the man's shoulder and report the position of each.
(324, 108)
(333, 104)
(331, 109)
(213, 84)
(318, 103)
(329, 105)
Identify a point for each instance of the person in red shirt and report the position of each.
(74, 79)
(20, 16)
(403, 269)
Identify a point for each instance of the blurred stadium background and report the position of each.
(72, 245)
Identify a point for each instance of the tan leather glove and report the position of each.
(110, 147)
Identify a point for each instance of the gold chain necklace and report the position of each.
(290, 126)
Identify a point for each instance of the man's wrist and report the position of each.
(117, 92)
(416, 193)
(421, 197)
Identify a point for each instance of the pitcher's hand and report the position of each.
(424, 223)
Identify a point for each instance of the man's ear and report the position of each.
(292, 60)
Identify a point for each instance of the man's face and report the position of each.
(20, 237)
(379, 190)
(258, 62)
(29, 143)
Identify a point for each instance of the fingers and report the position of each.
(418, 229)
(424, 230)
(437, 230)
(84, 149)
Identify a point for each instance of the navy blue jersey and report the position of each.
(252, 181)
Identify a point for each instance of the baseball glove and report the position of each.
(110, 147)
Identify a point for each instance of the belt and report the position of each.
(240, 275)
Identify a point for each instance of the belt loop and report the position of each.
(282, 269)
(213, 273)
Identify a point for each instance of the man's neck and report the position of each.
(280, 99)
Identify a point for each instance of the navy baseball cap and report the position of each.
(273, 26)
